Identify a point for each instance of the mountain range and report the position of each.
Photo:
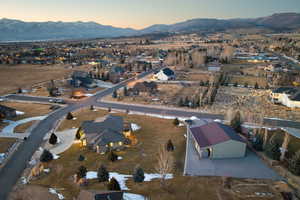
(16, 30)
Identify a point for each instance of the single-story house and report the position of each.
(216, 141)
(100, 195)
(81, 78)
(288, 96)
(104, 134)
(7, 112)
(165, 74)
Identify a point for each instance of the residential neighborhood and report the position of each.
(190, 111)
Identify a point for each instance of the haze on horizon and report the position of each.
(140, 13)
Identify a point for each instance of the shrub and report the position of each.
(53, 139)
(46, 156)
(170, 146)
(138, 175)
(294, 164)
(272, 150)
(69, 116)
(81, 158)
(81, 172)
(258, 142)
(114, 94)
(113, 185)
(176, 122)
(112, 156)
(256, 86)
(236, 122)
(102, 174)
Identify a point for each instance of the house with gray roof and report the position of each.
(103, 134)
(216, 141)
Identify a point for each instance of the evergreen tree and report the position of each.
(20, 90)
(81, 172)
(69, 116)
(258, 142)
(81, 158)
(186, 101)
(236, 122)
(180, 102)
(170, 146)
(235, 84)
(102, 174)
(78, 134)
(202, 83)
(53, 139)
(46, 156)
(246, 85)
(176, 121)
(138, 175)
(294, 164)
(115, 94)
(112, 156)
(92, 108)
(109, 109)
(113, 185)
(272, 150)
(125, 91)
(256, 86)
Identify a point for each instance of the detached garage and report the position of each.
(216, 140)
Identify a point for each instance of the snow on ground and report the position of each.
(19, 112)
(53, 191)
(55, 157)
(130, 196)
(88, 95)
(122, 178)
(135, 127)
(120, 158)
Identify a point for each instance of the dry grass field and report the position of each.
(24, 76)
(153, 133)
(29, 109)
(5, 144)
(24, 127)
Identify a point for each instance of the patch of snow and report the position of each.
(24, 180)
(46, 170)
(122, 178)
(120, 158)
(32, 162)
(194, 118)
(184, 135)
(88, 95)
(181, 124)
(74, 118)
(130, 196)
(55, 157)
(20, 113)
(53, 191)
(135, 127)
(149, 177)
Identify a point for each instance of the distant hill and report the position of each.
(16, 30)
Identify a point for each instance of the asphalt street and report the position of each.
(13, 169)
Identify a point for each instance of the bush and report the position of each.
(236, 122)
(170, 146)
(272, 150)
(69, 116)
(256, 86)
(176, 122)
(114, 94)
(113, 185)
(81, 172)
(46, 156)
(102, 174)
(112, 156)
(138, 175)
(81, 158)
(294, 164)
(258, 142)
(53, 139)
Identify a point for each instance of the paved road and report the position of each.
(18, 97)
(11, 172)
(13, 169)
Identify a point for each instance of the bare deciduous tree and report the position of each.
(165, 163)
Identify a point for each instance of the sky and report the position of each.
(140, 13)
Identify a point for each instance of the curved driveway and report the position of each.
(13, 169)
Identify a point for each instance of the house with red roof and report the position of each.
(216, 141)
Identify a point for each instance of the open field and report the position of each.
(5, 144)
(29, 109)
(250, 80)
(24, 76)
(24, 127)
